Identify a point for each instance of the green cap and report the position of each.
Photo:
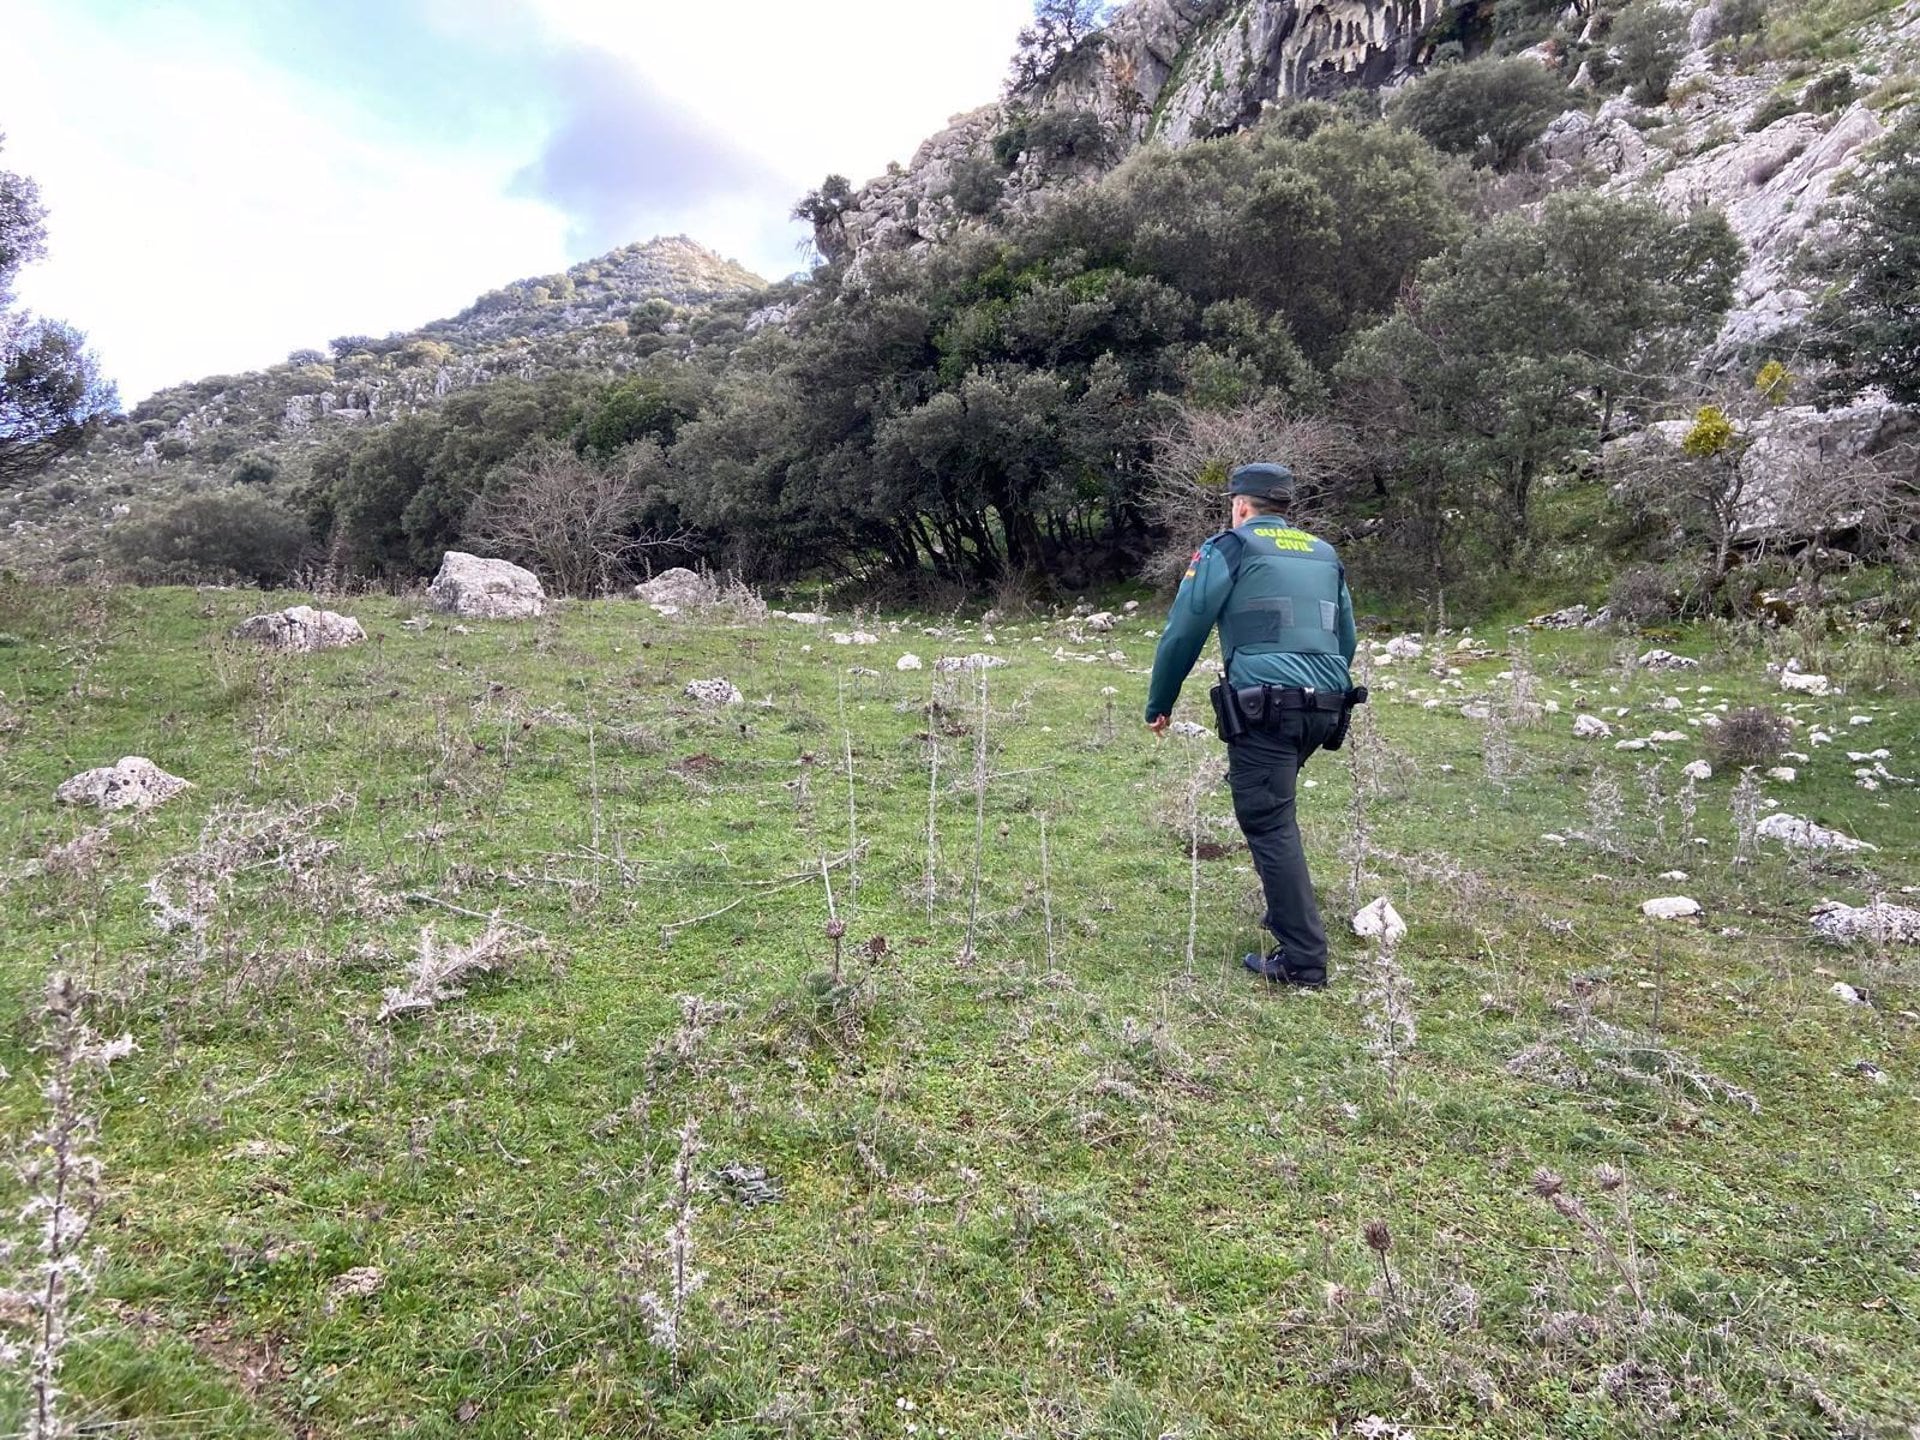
(1265, 480)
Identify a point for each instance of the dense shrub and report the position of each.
(221, 536)
(1832, 91)
(1489, 110)
(256, 467)
(974, 185)
(1754, 735)
(1645, 595)
(1651, 40)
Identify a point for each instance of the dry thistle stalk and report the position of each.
(1605, 803)
(1380, 1241)
(61, 1176)
(853, 815)
(1046, 890)
(930, 878)
(1745, 805)
(668, 1310)
(1387, 1004)
(439, 973)
(1196, 788)
(979, 813)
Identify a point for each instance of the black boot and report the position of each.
(1277, 969)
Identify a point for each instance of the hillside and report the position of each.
(1015, 1148)
(600, 318)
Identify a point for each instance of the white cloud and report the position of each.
(211, 212)
(206, 215)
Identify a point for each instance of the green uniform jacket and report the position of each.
(1197, 609)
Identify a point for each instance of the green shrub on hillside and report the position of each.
(221, 536)
(1651, 40)
(1488, 110)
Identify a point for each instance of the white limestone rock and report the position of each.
(1591, 727)
(1382, 922)
(1799, 834)
(1800, 683)
(1666, 660)
(1673, 907)
(716, 692)
(1880, 923)
(1697, 770)
(909, 662)
(132, 783)
(482, 589)
(301, 628)
(953, 664)
(1103, 621)
(676, 587)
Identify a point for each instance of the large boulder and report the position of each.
(483, 589)
(678, 586)
(134, 783)
(301, 628)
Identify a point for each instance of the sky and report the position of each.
(231, 180)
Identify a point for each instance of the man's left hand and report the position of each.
(1158, 725)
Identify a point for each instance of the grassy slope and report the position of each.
(1098, 1196)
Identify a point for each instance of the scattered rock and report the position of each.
(482, 589)
(1103, 622)
(356, 1284)
(1802, 834)
(951, 664)
(1190, 730)
(909, 662)
(676, 587)
(1634, 745)
(1673, 907)
(1591, 727)
(1847, 994)
(716, 692)
(1666, 737)
(1697, 770)
(1666, 660)
(1785, 774)
(1574, 617)
(301, 628)
(1405, 647)
(1879, 923)
(858, 637)
(1803, 684)
(134, 783)
(799, 617)
(1380, 921)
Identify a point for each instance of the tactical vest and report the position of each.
(1286, 593)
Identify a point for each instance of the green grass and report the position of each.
(1033, 1190)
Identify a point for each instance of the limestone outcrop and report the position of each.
(1170, 71)
(133, 783)
(482, 589)
(301, 628)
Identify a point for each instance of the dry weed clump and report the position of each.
(1752, 735)
(48, 1274)
(439, 973)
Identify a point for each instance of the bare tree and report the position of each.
(1192, 458)
(575, 521)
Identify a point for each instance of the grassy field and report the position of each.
(1021, 1152)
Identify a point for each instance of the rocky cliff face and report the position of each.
(1165, 70)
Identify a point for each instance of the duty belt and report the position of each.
(1259, 701)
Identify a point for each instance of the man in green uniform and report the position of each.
(1280, 598)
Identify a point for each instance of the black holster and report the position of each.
(1228, 722)
(1356, 696)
